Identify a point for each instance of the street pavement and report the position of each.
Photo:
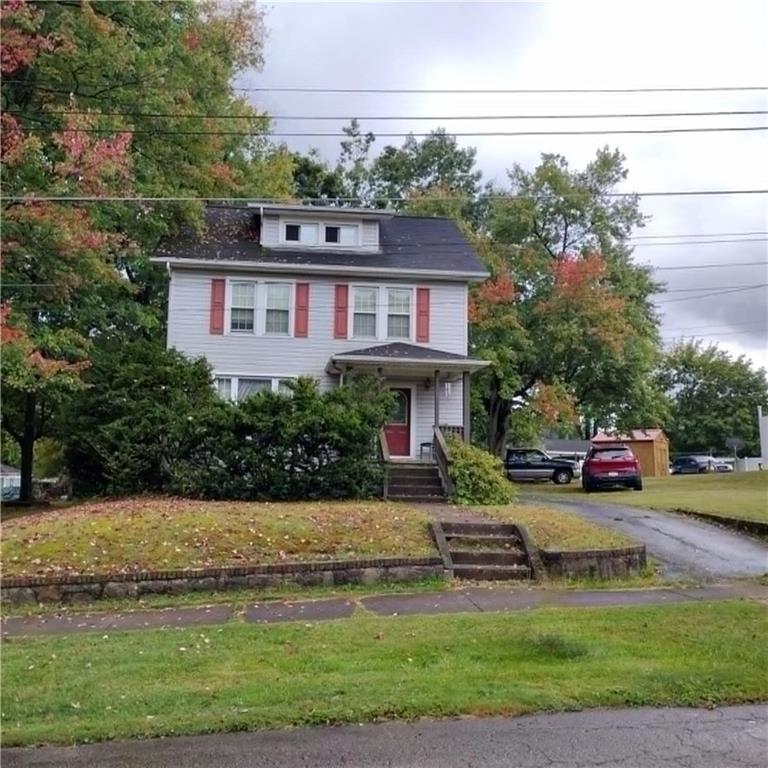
(731, 737)
(468, 600)
(685, 547)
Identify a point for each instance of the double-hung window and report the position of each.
(398, 313)
(341, 234)
(305, 234)
(364, 312)
(243, 304)
(278, 308)
(240, 388)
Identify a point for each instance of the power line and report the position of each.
(712, 266)
(326, 200)
(401, 134)
(696, 234)
(704, 327)
(704, 288)
(301, 89)
(715, 293)
(700, 242)
(222, 116)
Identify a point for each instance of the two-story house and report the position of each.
(272, 292)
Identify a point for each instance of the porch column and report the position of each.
(466, 403)
(437, 399)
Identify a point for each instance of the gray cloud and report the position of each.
(560, 44)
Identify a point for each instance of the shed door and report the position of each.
(398, 429)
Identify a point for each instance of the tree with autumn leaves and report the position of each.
(100, 100)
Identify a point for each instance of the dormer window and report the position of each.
(306, 234)
(342, 234)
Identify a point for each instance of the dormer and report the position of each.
(313, 228)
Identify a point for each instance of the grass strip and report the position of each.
(139, 684)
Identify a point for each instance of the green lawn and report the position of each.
(741, 494)
(143, 533)
(555, 529)
(79, 688)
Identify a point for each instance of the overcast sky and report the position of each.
(573, 44)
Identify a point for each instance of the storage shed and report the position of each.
(651, 447)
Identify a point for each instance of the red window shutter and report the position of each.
(340, 312)
(422, 314)
(301, 321)
(217, 306)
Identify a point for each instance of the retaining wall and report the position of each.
(595, 563)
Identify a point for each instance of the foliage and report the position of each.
(151, 683)
(477, 476)
(305, 445)
(566, 318)
(120, 432)
(712, 397)
(96, 97)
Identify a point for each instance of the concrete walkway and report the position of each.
(471, 600)
(728, 737)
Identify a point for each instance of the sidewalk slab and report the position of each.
(158, 618)
(424, 603)
(304, 610)
(490, 599)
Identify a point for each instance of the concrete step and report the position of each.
(492, 572)
(500, 541)
(479, 529)
(489, 557)
(418, 499)
(432, 486)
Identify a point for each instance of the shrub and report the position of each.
(477, 476)
(303, 445)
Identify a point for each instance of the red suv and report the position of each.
(611, 466)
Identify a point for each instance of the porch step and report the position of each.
(417, 499)
(489, 557)
(492, 572)
(497, 539)
(433, 485)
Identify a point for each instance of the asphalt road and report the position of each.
(732, 737)
(686, 547)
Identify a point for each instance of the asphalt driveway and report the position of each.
(685, 547)
(636, 738)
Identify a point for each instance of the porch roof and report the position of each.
(405, 358)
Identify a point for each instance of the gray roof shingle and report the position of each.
(406, 242)
(399, 350)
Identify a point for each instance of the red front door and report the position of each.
(398, 430)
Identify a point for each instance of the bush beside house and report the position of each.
(477, 476)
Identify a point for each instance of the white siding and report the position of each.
(370, 235)
(270, 231)
(246, 354)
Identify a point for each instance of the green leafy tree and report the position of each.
(111, 99)
(713, 396)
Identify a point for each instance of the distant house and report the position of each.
(10, 482)
(651, 447)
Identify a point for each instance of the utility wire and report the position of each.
(711, 266)
(255, 202)
(221, 116)
(716, 293)
(294, 89)
(400, 134)
(697, 234)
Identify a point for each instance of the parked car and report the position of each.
(692, 465)
(723, 466)
(613, 465)
(535, 464)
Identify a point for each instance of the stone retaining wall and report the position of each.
(89, 587)
(595, 563)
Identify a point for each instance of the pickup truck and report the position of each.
(535, 464)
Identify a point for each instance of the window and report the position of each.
(224, 387)
(278, 308)
(242, 309)
(399, 313)
(306, 234)
(239, 388)
(343, 234)
(248, 387)
(364, 312)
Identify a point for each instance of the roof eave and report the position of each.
(467, 364)
(320, 269)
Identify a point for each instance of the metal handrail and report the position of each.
(442, 459)
(384, 455)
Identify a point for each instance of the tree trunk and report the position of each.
(27, 445)
(498, 414)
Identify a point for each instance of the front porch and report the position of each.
(431, 387)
